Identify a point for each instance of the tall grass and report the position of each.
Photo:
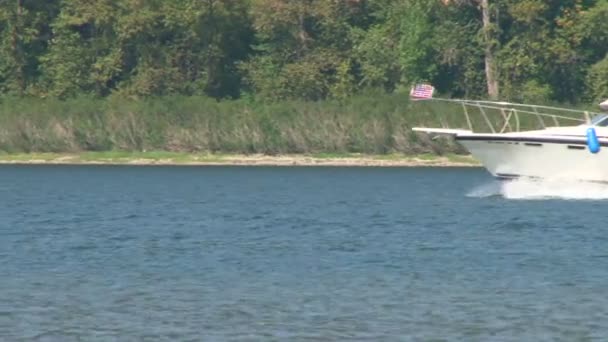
(373, 124)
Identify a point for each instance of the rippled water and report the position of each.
(289, 254)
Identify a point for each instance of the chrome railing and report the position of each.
(510, 114)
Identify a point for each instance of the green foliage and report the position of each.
(415, 22)
(597, 80)
(301, 45)
(66, 67)
(24, 28)
(278, 50)
(534, 92)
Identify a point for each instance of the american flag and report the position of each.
(422, 91)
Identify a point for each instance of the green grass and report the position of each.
(179, 127)
(126, 155)
(390, 156)
(29, 156)
(458, 158)
(426, 156)
(334, 155)
(331, 129)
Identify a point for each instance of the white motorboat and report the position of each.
(576, 151)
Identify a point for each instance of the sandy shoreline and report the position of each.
(241, 160)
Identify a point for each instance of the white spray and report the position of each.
(529, 189)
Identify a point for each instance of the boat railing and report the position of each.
(503, 117)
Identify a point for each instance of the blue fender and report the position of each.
(592, 143)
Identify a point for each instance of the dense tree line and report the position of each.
(550, 50)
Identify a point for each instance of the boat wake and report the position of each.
(528, 189)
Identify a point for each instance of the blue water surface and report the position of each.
(102, 253)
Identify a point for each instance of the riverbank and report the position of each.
(176, 158)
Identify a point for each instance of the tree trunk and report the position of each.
(17, 48)
(302, 34)
(490, 63)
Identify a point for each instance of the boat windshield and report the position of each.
(600, 120)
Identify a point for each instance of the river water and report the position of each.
(298, 254)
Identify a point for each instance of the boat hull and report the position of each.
(551, 159)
